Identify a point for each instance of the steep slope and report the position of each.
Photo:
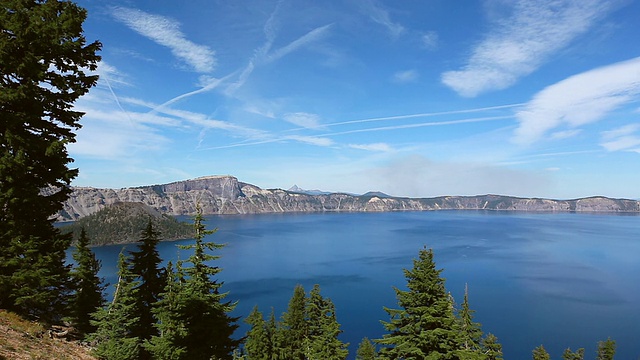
(123, 222)
(226, 195)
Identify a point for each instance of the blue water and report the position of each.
(562, 280)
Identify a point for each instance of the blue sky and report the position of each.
(412, 98)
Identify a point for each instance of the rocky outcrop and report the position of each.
(227, 195)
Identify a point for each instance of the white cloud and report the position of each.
(166, 32)
(405, 76)
(578, 100)
(312, 140)
(381, 16)
(305, 120)
(430, 40)
(372, 147)
(622, 138)
(518, 45)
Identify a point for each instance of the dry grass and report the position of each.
(21, 339)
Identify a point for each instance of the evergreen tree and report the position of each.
(196, 315)
(321, 340)
(294, 326)
(43, 57)
(258, 343)
(469, 332)
(606, 350)
(366, 350)
(540, 353)
(114, 336)
(166, 345)
(570, 355)
(491, 347)
(424, 326)
(88, 296)
(145, 264)
(276, 335)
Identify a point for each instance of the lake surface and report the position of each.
(562, 280)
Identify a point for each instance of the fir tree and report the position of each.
(114, 337)
(321, 341)
(570, 355)
(469, 332)
(366, 350)
(44, 59)
(294, 326)
(424, 325)
(166, 345)
(88, 296)
(540, 353)
(145, 264)
(258, 342)
(606, 350)
(196, 314)
(276, 336)
(491, 347)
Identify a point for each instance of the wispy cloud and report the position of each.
(311, 140)
(519, 44)
(382, 147)
(380, 15)
(578, 100)
(166, 32)
(623, 138)
(305, 120)
(406, 76)
(309, 37)
(430, 40)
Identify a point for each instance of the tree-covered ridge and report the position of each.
(122, 223)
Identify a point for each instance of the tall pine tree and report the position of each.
(469, 332)
(44, 59)
(257, 345)
(294, 326)
(145, 264)
(321, 341)
(114, 336)
(424, 325)
(88, 294)
(195, 318)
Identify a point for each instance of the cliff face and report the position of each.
(226, 195)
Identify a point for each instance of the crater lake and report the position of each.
(557, 279)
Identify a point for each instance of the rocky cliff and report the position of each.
(227, 195)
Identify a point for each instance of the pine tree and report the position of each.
(196, 314)
(145, 264)
(366, 350)
(540, 353)
(44, 58)
(424, 326)
(166, 345)
(491, 347)
(606, 350)
(88, 296)
(257, 345)
(469, 332)
(570, 355)
(277, 337)
(321, 341)
(114, 337)
(294, 326)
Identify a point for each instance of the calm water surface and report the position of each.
(562, 280)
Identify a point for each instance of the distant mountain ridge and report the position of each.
(226, 195)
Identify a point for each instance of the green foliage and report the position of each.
(43, 57)
(114, 337)
(88, 296)
(258, 342)
(366, 350)
(424, 325)
(294, 325)
(123, 222)
(570, 355)
(606, 350)
(194, 320)
(491, 347)
(321, 341)
(540, 353)
(469, 332)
